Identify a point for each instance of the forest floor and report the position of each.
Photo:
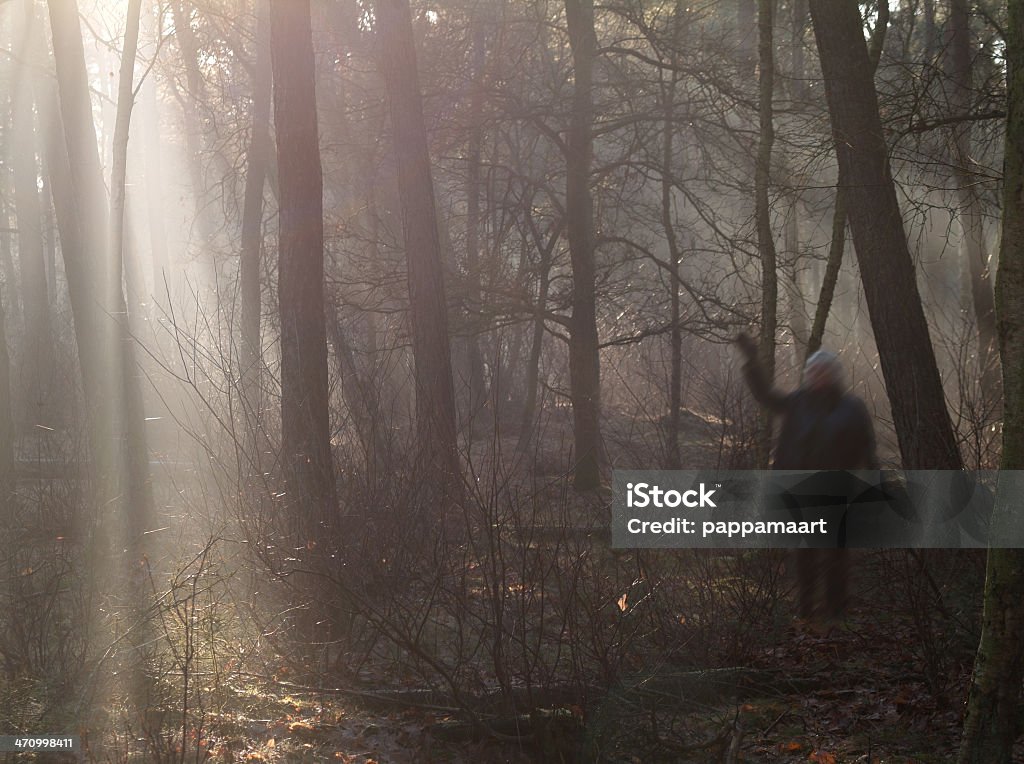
(882, 685)
(862, 699)
(885, 685)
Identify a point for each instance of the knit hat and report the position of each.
(827, 361)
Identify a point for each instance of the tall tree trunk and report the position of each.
(94, 285)
(765, 239)
(798, 23)
(477, 390)
(791, 280)
(129, 419)
(584, 353)
(675, 382)
(930, 31)
(546, 250)
(746, 34)
(195, 135)
(993, 709)
(252, 218)
(911, 375)
(828, 284)
(973, 242)
(140, 500)
(6, 420)
(305, 428)
(38, 358)
(838, 240)
(435, 396)
(154, 176)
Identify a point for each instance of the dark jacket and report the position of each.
(825, 430)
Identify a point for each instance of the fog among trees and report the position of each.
(325, 323)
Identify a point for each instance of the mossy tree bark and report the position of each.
(993, 708)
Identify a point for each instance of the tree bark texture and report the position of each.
(911, 375)
(973, 243)
(435, 396)
(832, 265)
(257, 158)
(105, 349)
(38, 358)
(584, 358)
(305, 428)
(992, 723)
(675, 382)
(765, 239)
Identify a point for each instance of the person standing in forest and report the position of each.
(823, 427)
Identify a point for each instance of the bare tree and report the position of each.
(39, 361)
(428, 319)
(584, 358)
(993, 720)
(765, 237)
(908, 363)
(257, 158)
(971, 221)
(305, 428)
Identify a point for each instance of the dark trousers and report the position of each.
(823, 577)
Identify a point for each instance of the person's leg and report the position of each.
(837, 582)
(807, 573)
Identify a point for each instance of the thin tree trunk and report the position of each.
(832, 266)
(129, 417)
(911, 375)
(529, 417)
(765, 239)
(252, 219)
(195, 138)
(93, 264)
(791, 281)
(746, 34)
(6, 420)
(973, 244)
(435, 397)
(477, 389)
(838, 240)
(154, 177)
(38, 358)
(930, 31)
(993, 722)
(584, 353)
(675, 383)
(798, 22)
(305, 427)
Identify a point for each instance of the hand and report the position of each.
(747, 345)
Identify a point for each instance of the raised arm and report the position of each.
(760, 386)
